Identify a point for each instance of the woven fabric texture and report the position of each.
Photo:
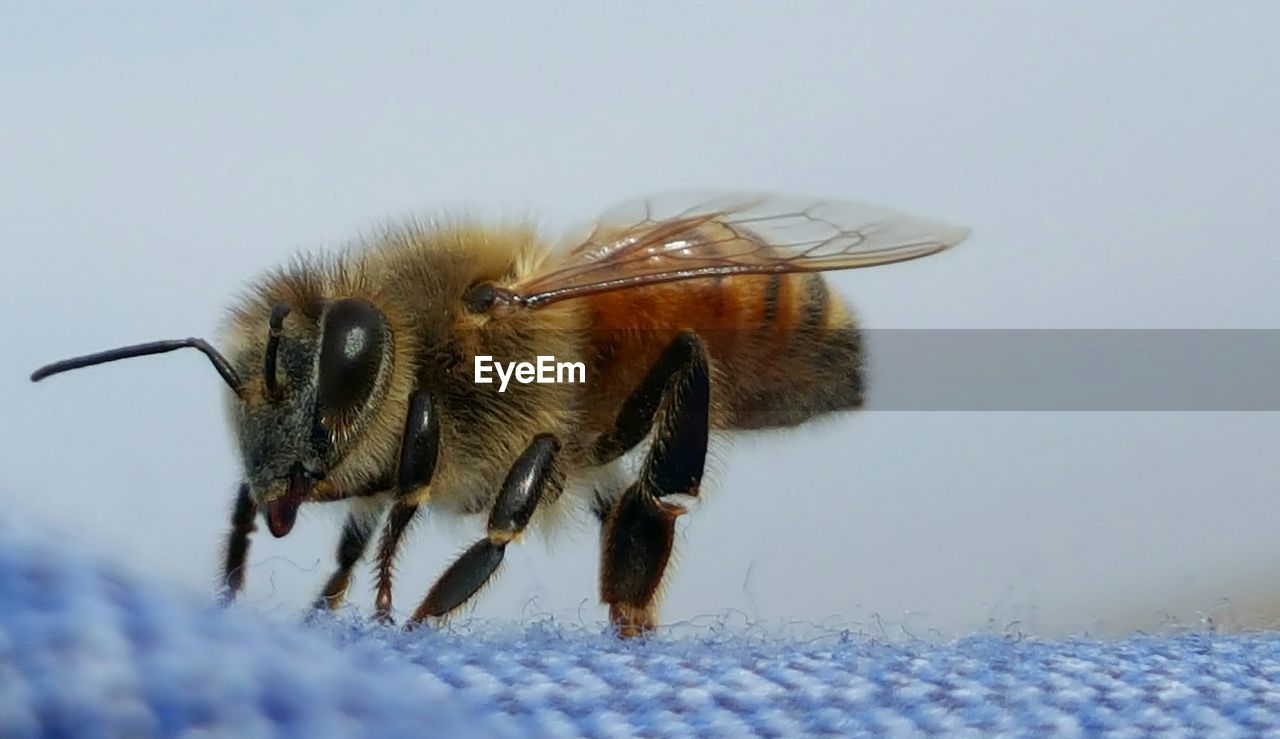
(87, 651)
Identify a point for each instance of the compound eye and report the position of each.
(351, 355)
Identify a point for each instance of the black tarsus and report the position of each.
(524, 485)
(521, 491)
(237, 546)
(420, 445)
(463, 579)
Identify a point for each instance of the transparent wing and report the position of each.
(681, 236)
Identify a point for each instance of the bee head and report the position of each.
(311, 386)
(302, 386)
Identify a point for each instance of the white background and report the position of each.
(1118, 163)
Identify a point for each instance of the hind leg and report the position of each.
(639, 529)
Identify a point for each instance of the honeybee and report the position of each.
(357, 376)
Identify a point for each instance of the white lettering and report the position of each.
(570, 368)
(545, 370)
(484, 364)
(546, 365)
(505, 377)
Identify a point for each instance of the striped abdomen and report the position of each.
(783, 347)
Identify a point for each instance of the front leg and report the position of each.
(356, 533)
(237, 545)
(533, 473)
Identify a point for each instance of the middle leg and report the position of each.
(532, 475)
(419, 450)
(397, 523)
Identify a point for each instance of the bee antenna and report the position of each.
(220, 362)
(276, 323)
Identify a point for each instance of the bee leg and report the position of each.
(419, 449)
(356, 533)
(420, 445)
(635, 420)
(533, 472)
(237, 546)
(639, 529)
(397, 522)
